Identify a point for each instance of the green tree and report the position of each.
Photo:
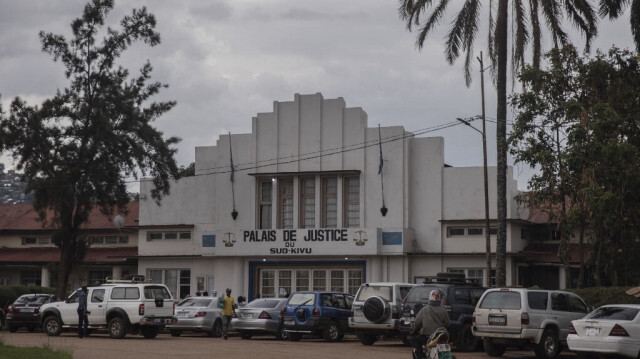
(187, 171)
(77, 148)
(577, 123)
(460, 39)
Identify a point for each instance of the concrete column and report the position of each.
(116, 272)
(45, 277)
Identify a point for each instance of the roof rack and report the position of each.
(128, 279)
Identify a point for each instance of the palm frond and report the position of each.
(635, 22)
(433, 19)
(584, 17)
(463, 30)
(613, 8)
(553, 16)
(521, 34)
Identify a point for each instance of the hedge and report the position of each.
(597, 296)
(9, 293)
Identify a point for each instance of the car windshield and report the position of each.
(31, 299)
(195, 302)
(302, 299)
(501, 300)
(614, 313)
(154, 291)
(263, 303)
(366, 292)
(419, 294)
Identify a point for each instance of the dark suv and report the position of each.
(25, 311)
(459, 298)
(321, 314)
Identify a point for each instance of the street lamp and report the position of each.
(487, 235)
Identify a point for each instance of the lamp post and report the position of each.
(487, 235)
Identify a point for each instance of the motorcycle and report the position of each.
(437, 347)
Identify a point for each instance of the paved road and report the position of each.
(100, 346)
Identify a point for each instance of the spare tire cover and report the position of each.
(375, 309)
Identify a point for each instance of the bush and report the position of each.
(8, 294)
(597, 296)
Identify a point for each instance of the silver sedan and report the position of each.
(261, 316)
(198, 314)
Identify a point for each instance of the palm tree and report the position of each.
(426, 14)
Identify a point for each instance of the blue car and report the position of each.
(316, 313)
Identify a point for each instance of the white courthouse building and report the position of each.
(308, 195)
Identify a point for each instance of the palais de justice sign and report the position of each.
(292, 242)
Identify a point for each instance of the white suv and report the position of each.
(377, 309)
(120, 307)
(519, 316)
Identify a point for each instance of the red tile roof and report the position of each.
(40, 255)
(23, 217)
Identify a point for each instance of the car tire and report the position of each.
(116, 327)
(52, 326)
(13, 328)
(467, 342)
(216, 330)
(294, 337)
(149, 332)
(367, 339)
(331, 332)
(493, 350)
(281, 334)
(549, 346)
(375, 309)
(175, 333)
(245, 335)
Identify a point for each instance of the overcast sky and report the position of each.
(227, 60)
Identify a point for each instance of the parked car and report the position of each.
(459, 298)
(612, 330)
(321, 314)
(377, 309)
(198, 314)
(119, 307)
(526, 317)
(260, 316)
(25, 311)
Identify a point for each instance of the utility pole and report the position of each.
(487, 224)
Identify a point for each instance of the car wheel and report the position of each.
(117, 328)
(467, 342)
(52, 326)
(245, 335)
(13, 328)
(282, 335)
(175, 333)
(367, 339)
(295, 337)
(149, 332)
(375, 309)
(216, 331)
(332, 332)
(493, 350)
(549, 345)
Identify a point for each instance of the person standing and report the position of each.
(83, 319)
(227, 312)
(431, 317)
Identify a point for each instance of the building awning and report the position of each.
(52, 254)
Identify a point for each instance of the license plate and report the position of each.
(159, 321)
(181, 314)
(495, 320)
(246, 315)
(26, 310)
(289, 322)
(592, 332)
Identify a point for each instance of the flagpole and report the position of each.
(383, 210)
(234, 213)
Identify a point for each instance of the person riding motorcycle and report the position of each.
(431, 317)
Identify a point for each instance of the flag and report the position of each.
(233, 169)
(380, 142)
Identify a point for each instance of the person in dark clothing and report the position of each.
(83, 319)
(431, 317)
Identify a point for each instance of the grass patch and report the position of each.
(44, 352)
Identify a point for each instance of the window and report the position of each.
(330, 202)
(302, 279)
(264, 209)
(285, 214)
(493, 231)
(31, 277)
(355, 279)
(455, 231)
(125, 293)
(169, 235)
(538, 300)
(474, 231)
(177, 280)
(308, 203)
(268, 284)
(559, 302)
(337, 280)
(99, 276)
(462, 295)
(501, 300)
(284, 282)
(319, 280)
(352, 202)
(97, 296)
(28, 241)
(109, 239)
(576, 304)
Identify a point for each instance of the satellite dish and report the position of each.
(118, 221)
